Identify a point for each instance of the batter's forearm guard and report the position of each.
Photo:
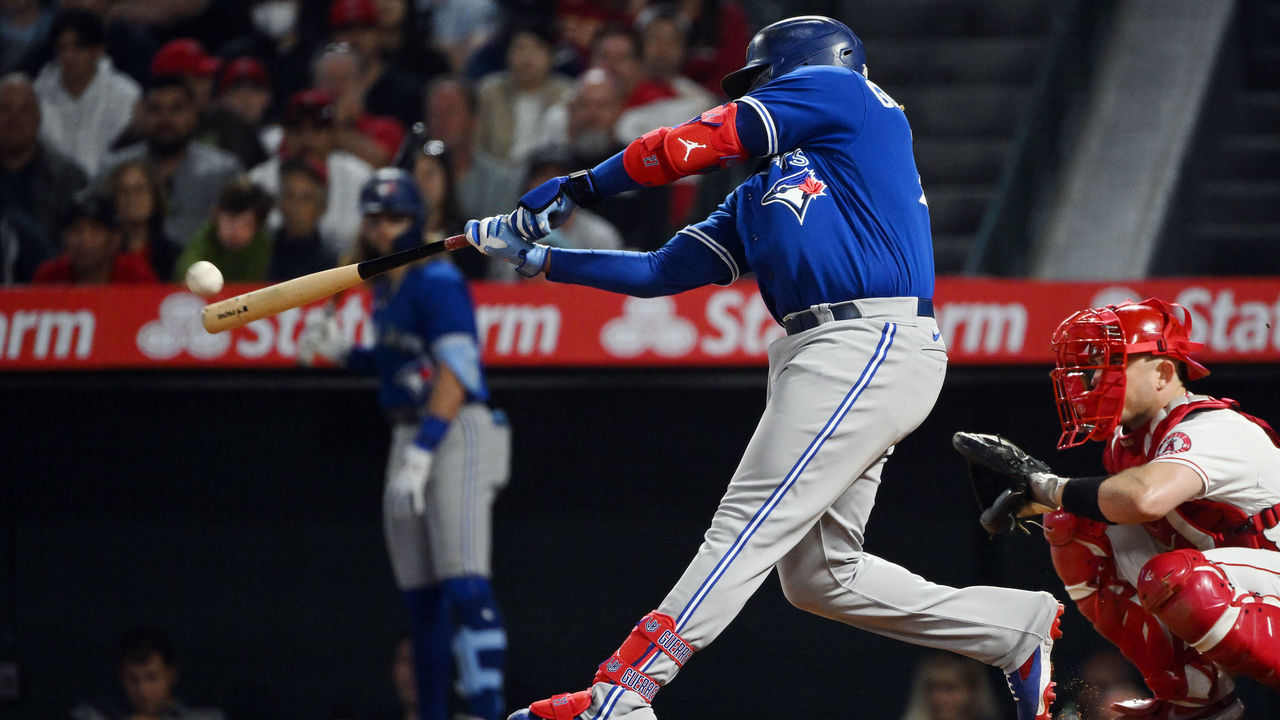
(707, 142)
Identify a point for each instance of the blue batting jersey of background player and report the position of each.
(839, 213)
(426, 320)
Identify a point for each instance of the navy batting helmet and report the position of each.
(393, 191)
(788, 44)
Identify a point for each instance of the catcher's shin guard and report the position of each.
(1084, 559)
(1196, 601)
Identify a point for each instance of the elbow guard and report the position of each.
(707, 142)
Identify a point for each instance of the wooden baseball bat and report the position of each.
(264, 302)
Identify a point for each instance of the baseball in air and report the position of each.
(204, 278)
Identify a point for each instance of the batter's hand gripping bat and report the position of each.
(264, 302)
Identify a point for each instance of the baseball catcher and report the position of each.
(1172, 556)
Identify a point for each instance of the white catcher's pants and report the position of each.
(841, 396)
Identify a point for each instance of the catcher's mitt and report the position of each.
(1001, 475)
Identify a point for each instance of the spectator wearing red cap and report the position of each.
(309, 131)
(339, 71)
(277, 42)
(389, 89)
(299, 248)
(186, 57)
(85, 103)
(245, 89)
(91, 256)
(192, 170)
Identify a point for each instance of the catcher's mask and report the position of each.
(1093, 348)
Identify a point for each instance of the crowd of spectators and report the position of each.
(137, 137)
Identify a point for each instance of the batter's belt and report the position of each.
(853, 309)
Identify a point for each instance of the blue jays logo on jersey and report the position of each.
(796, 191)
(385, 189)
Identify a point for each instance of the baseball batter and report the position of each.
(1173, 555)
(836, 229)
(449, 457)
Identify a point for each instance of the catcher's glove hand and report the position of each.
(1009, 484)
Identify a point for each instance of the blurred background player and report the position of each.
(449, 457)
(837, 231)
(1172, 555)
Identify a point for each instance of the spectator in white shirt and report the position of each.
(85, 102)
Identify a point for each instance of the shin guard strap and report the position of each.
(617, 671)
(659, 629)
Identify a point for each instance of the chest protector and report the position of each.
(1226, 525)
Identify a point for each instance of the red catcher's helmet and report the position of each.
(1093, 347)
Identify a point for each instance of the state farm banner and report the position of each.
(545, 324)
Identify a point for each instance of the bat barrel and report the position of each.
(254, 305)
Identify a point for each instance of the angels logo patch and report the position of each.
(1175, 443)
(796, 191)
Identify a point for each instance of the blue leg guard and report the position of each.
(429, 629)
(479, 644)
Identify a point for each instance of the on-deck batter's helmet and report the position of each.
(788, 44)
(1093, 348)
(392, 191)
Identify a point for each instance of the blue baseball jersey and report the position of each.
(426, 320)
(837, 214)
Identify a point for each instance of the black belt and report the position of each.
(848, 310)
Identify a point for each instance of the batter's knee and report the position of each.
(798, 585)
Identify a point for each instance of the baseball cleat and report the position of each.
(565, 706)
(1227, 707)
(1032, 684)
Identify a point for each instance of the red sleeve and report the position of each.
(130, 268)
(53, 270)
